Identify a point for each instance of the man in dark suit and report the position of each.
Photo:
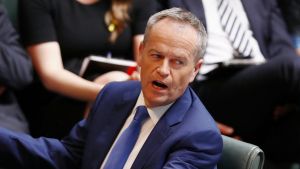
(178, 133)
(244, 92)
(15, 73)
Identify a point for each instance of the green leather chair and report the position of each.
(240, 155)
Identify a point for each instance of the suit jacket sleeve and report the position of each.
(195, 152)
(15, 66)
(200, 143)
(19, 150)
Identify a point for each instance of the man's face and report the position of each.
(167, 61)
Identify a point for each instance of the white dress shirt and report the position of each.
(219, 48)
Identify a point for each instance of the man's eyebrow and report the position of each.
(154, 50)
(180, 56)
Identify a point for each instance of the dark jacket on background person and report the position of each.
(15, 74)
(291, 13)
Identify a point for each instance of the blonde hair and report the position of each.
(117, 17)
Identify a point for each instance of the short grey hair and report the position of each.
(182, 16)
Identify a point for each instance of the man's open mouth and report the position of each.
(159, 84)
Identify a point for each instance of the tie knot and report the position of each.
(141, 114)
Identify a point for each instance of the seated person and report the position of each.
(170, 128)
(58, 35)
(15, 74)
(250, 67)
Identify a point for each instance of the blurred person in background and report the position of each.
(15, 74)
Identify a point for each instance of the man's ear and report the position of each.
(196, 69)
(141, 50)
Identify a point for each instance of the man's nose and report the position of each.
(164, 68)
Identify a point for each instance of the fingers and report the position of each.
(224, 129)
(2, 89)
(227, 130)
(135, 76)
(111, 76)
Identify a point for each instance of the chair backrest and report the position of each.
(240, 155)
(12, 10)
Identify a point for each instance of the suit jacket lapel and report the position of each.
(106, 133)
(195, 6)
(248, 7)
(256, 25)
(163, 129)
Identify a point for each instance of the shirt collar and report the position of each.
(155, 113)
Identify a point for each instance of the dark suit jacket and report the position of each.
(185, 137)
(265, 21)
(15, 74)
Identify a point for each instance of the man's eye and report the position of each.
(156, 56)
(178, 62)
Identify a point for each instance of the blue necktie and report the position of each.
(126, 141)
